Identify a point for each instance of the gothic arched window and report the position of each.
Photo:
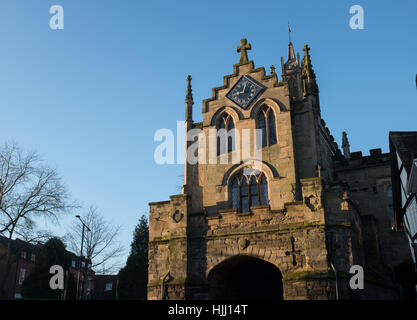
(266, 123)
(225, 134)
(248, 190)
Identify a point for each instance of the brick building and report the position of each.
(23, 259)
(105, 287)
(288, 226)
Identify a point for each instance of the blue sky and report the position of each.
(89, 98)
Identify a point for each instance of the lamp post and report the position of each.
(79, 292)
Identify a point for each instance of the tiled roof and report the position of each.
(20, 244)
(23, 245)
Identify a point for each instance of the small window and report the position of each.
(24, 255)
(225, 134)
(33, 257)
(73, 263)
(267, 127)
(109, 286)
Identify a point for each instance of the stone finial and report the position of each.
(345, 146)
(189, 96)
(272, 69)
(306, 65)
(189, 100)
(309, 77)
(244, 46)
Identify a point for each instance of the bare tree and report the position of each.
(101, 244)
(29, 189)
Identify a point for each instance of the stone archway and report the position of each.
(245, 277)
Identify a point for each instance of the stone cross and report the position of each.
(244, 46)
(293, 252)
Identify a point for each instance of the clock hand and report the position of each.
(244, 90)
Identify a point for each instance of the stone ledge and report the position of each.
(272, 229)
(189, 281)
(231, 210)
(159, 202)
(175, 196)
(294, 203)
(314, 179)
(165, 240)
(244, 214)
(309, 274)
(262, 206)
(213, 217)
(284, 210)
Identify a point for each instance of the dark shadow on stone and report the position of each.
(406, 276)
(244, 277)
(196, 286)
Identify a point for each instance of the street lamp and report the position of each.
(79, 293)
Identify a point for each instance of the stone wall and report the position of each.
(167, 244)
(368, 181)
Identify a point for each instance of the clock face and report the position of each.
(244, 91)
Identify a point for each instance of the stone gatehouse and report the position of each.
(288, 226)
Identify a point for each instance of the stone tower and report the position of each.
(282, 225)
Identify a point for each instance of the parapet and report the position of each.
(357, 159)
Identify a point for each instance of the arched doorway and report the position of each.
(245, 277)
